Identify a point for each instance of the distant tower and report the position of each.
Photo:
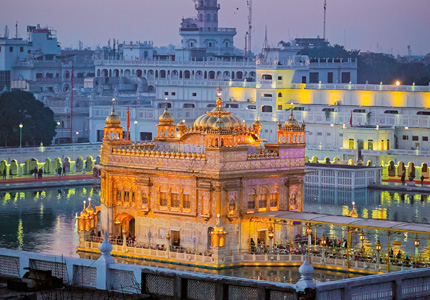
(207, 14)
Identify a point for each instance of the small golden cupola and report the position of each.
(257, 126)
(292, 132)
(165, 127)
(113, 129)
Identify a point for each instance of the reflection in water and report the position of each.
(43, 221)
(388, 205)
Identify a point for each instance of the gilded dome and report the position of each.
(218, 116)
(166, 118)
(291, 121)
(113, 120)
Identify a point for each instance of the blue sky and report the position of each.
(384, 25)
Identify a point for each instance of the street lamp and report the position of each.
(77, 133)
(271, 235)
(168, 243)
(362, 238)
(309, 233)
(378, 249)
(416, 244)
(323, 243)
(20, 136)
(135, 130)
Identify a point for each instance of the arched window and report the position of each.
(252, 197)
(279, 95)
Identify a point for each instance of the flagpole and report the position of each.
(128, 123)
(71, 106)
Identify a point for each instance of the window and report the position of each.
(166, 93)
(341, 134)
(274, 199)
(405, 137)
(328, 133)
(266, 77)
(299, 108)
(359, 110)
(10, 49)
(173, 93)
(267, 95)
(351, 143)
(146, 136)
(262, 201)
(346, 77)
(0, 49)
(279, 78)
(319, 133)
(126, 196)
(118, 196)
(144, 199)
(423, 113)
(194, 94)
(330, 77)
(100, 135)
(175, 200)
(187, 202)
(425, 138)
(303, 79)
(310, 133)
(251, 201)
(415, 138)
(370, 145)
(279, 95)
(21, 49)
(280, 107)
(266, 108)
(393, 112)
(313, 77)
(328, 109)
(163, 198)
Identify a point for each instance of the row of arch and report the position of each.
(176, 75)
(390, 169)
(49, 166)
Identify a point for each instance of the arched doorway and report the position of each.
(124, 224)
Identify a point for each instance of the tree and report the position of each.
(335, 51)
(18, 107)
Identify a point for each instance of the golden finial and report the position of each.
(218, 100)
(353, 213)
(113, 104)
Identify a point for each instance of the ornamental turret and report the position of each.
(291, 132)
(166, 127)
(257, 126)
(113, 129)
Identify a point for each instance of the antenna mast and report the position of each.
(325, 10)
(249, 3)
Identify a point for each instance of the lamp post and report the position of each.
(271, 235)
(416, 244)
(168, 244)
(58, 127)
(378, 249)
(135, 130)
(309, 233)
(362, 238)
(20, 137)
(323, 243)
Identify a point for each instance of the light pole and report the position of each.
(362, 238)
(271, 235)
(378, 249)
(58, 126)
(168, 244)
(309, 233)
(20, 137)
(416, 244)
(323, 244)
(135, 130)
